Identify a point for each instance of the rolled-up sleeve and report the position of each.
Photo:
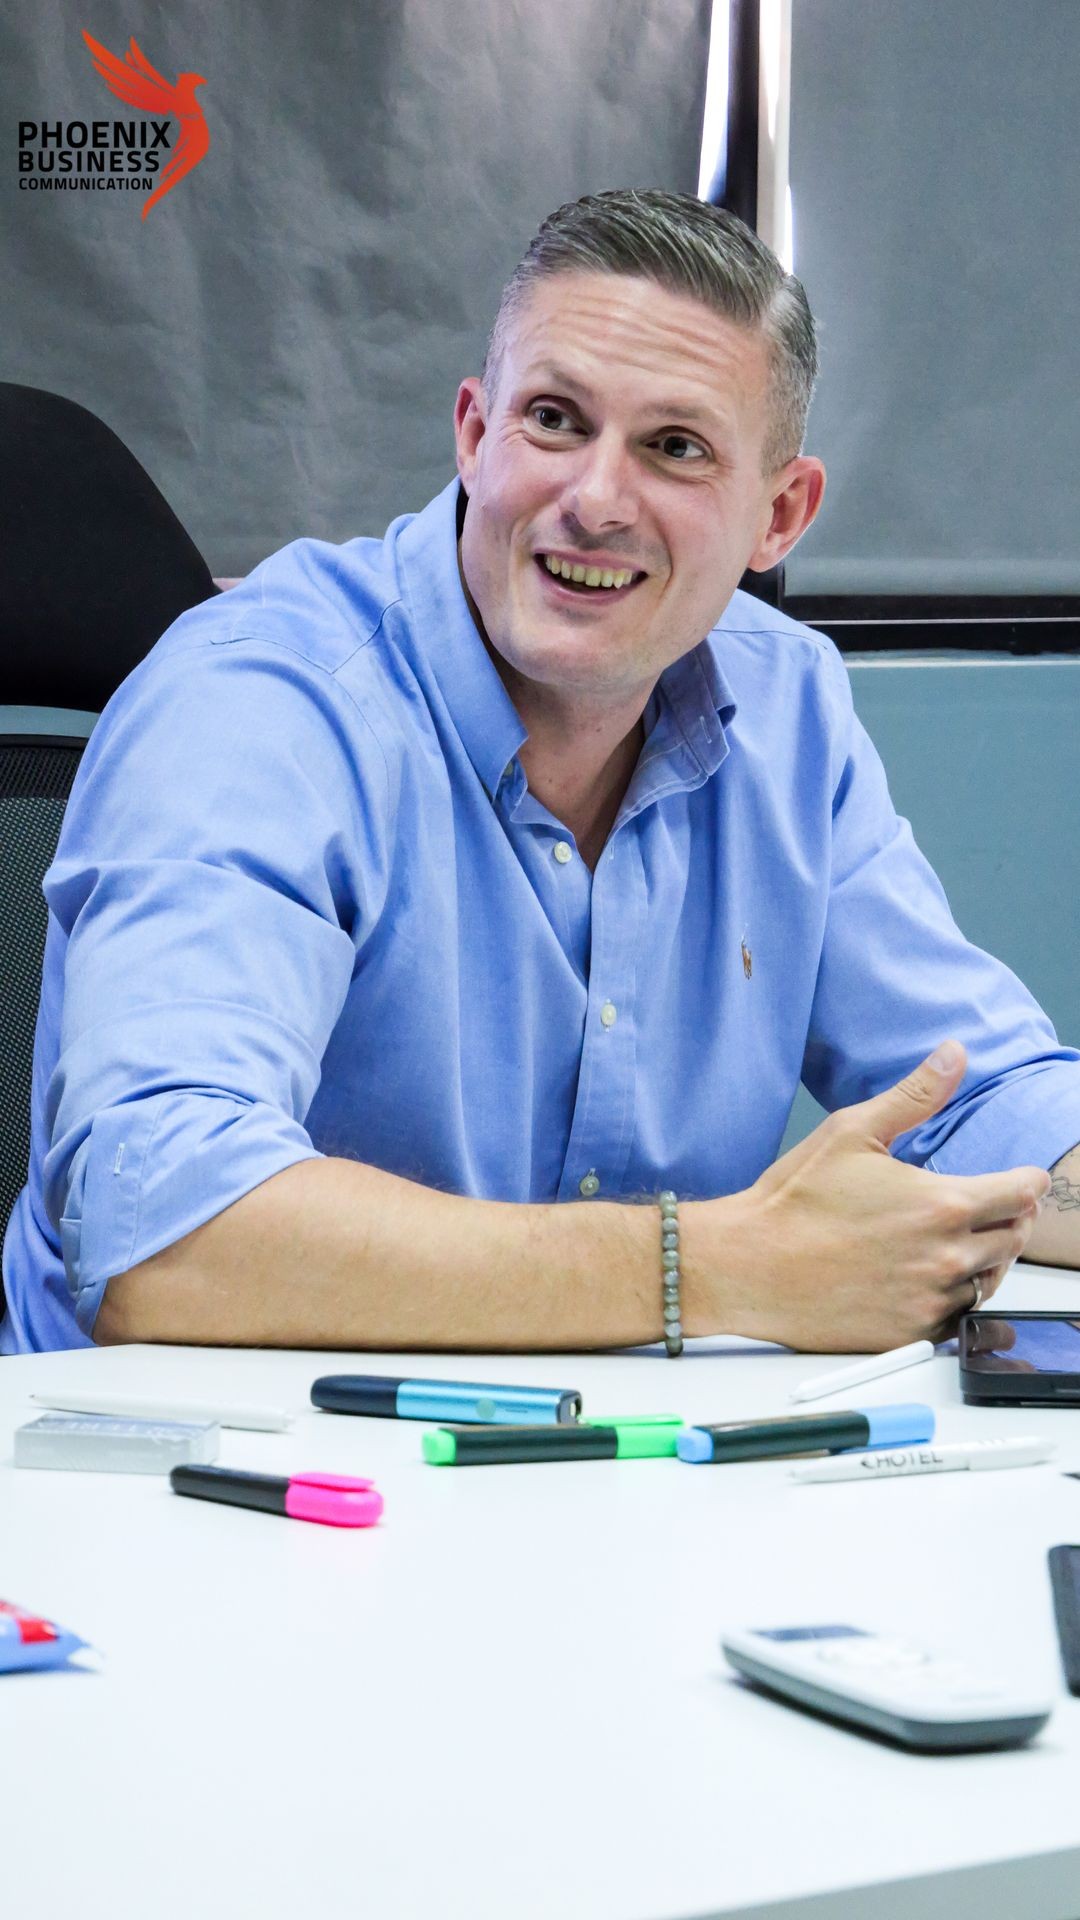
(896, 976)
(214, 871)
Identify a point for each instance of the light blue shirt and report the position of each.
(304, 903)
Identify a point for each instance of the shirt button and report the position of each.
(589, 1185)
(608, 1015)
(563, 852)
(507, 772)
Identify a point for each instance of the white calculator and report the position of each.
(889, 1685)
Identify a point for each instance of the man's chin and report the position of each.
(560, 663)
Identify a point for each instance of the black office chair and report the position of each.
(95, 566)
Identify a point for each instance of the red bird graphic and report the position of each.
(136, 82)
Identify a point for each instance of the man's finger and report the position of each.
(986, 1250)
(990, 1282)
(962, 1293)
(918, 1095)
(998, 1197)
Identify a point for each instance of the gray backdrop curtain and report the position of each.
(281, 339)
(935, 174)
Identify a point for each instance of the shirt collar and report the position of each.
(691, 703)
(487, 721)
(698, 702)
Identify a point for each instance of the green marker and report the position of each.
(645, 1437)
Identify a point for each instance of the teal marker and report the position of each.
(648, 1436)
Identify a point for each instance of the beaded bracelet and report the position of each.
(669, 1261)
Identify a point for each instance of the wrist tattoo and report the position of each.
(1064, 1194)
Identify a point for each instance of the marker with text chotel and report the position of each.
(969, 1456)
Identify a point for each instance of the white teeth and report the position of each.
(587, 576)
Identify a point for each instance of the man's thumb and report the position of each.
(919, 1094)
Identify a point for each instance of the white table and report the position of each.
(507, 1701)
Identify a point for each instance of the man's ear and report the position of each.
(797, 492)
(470, 423)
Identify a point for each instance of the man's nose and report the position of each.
(601, 492)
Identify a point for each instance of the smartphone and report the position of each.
(1064, 1563)
(1020, 1359)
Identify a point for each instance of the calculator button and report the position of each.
(884, 1655)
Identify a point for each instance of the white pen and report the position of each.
(869, 1369)
(966, 1456)
(137, 1406)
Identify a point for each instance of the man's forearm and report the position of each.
(330, 1253)
(838, 1247)
(1055, 1237)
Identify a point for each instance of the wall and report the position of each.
(983, 758)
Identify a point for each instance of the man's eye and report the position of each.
(548, 417)
(680, 448)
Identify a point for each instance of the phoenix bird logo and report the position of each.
(138, 84)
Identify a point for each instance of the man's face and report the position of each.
(625, 435)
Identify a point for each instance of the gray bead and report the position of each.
(674, 1331)
(667, 1198)
(669, 1259)
(669, 1237)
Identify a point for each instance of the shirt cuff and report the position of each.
(153, 1170)
(1030, 1119)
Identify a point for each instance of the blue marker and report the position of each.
(899, 1426)
(456, 1402)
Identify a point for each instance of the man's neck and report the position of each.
(579, 758)
(580, 755)
(580, 767)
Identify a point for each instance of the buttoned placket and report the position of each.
(602, 1131)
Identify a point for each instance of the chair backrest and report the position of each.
(40, 750)
(94, 566)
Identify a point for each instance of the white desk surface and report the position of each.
(507, 1701)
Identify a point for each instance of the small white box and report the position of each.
(104, 1443)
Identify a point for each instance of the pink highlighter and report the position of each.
(334, 1499)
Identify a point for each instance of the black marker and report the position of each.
(391, 1399)
(650, 1437)
(894, 1426)
(335, 1499)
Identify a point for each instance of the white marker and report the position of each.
(137, 1406)
(967, 1456)
(869, 1369)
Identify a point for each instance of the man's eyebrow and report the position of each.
(562, 381)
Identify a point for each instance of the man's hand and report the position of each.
(838, 1247)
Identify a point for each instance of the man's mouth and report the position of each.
(585, 579)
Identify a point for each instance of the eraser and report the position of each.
(104, 1443)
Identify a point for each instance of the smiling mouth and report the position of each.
(586, 580)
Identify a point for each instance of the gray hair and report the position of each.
(686, 246)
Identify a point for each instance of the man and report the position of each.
(416, 886)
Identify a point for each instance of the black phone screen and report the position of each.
(1004, 1343)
